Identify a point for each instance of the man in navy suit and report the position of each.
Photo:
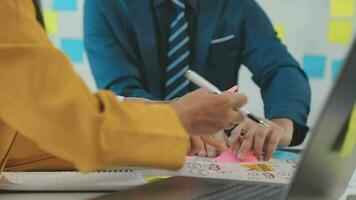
(141, 48)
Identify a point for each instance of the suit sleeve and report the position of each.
(284, 85)
(114, 64)
(43, 98)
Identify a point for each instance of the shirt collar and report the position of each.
(193, 3)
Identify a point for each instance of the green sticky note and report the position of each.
(51, 22)
(350, 139)
(151, 179)
(340, 32)
(342, 8)
(281, 34)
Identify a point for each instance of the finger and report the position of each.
(189, 146)
(211, 152)
(197, 147)
(259, 141)
(223, 138)
(235, 139)
(235, 148)
(234, 89)
(218, 145)
(227, 140)
(273, 141)
(245, 148)
(237, 100)
(233, 118)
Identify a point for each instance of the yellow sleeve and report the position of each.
(43, 98)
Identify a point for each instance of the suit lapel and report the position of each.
(208, 15)
(145, 30)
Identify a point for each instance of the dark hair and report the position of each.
(39, 15)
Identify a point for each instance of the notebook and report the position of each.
(106, 180)
(278, 170)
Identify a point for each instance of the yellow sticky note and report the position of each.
(350, 139)
(51, 22)
(340, 32)
(258, 167)
(281, 34)
(151, 179)
(342, 8)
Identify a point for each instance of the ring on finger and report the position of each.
(243, 134)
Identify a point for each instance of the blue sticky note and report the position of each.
(65, 5)
(314, 66)
(285, 155)
(74, 49)
(335, 68)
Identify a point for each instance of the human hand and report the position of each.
(203, 113)
(260, 139)
(208, 146)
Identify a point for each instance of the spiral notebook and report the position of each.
(106, 180)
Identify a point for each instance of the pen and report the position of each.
(203, 83)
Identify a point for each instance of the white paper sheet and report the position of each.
(281, 172)
(273, 171)
(69, 181)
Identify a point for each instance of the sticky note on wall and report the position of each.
(65, 5)
(314, 66)
(51, 22)
(281, 34)
(342, 8)
(340, 32)
(74, 49)
(335, 68)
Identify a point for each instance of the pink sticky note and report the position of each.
(229, 157)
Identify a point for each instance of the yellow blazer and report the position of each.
(50, 120)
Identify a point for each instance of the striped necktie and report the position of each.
(176, 85)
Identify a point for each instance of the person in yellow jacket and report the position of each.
(49, 119)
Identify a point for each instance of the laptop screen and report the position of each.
(327, 167)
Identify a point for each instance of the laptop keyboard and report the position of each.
(248, 191)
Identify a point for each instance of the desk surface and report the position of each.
(48, 196)
(82, 196)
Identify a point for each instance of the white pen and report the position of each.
(203, 83)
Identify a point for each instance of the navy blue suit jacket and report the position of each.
(121, 43)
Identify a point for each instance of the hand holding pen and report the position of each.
(254, 134)
(203, 83)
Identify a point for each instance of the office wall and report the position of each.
(318, 33)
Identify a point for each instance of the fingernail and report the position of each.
(240, 156)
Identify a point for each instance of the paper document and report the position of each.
(274, 171)
(70, 181)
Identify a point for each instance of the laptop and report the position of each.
(322, 172)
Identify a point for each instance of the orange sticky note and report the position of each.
(229, 157)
